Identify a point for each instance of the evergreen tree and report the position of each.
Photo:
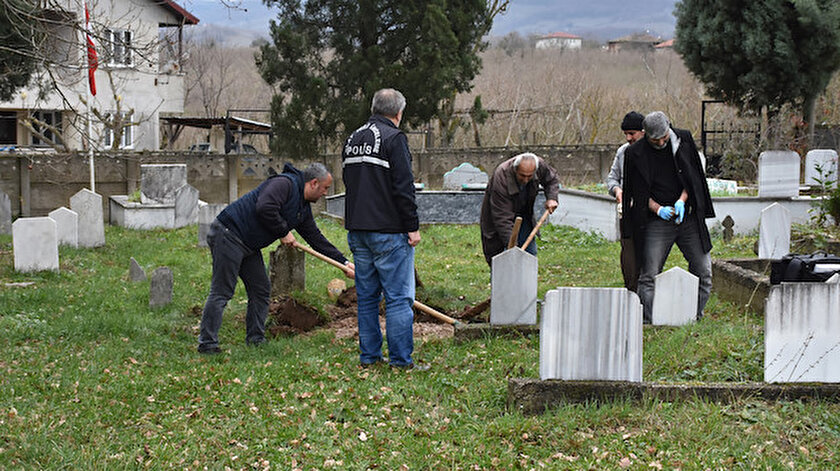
(328, 57)
(18, 55)
(761, 53)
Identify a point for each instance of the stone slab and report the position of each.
(35, 244)
(513, 285)
(802, 333)
(675, 299)
(591, 334)
(287, 271)
(778, 173)
(88, 205)
(821, 165)
(464, 174)
(531, 396)
(774, 232)
(160, 287)
(140, 216)
(186, 206)
(66, 225)
(206, 214)
(159, 182)
(135, 271)
(5, 214)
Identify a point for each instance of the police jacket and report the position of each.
(271, 210)
(378, 179)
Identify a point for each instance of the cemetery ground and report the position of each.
(92, 378)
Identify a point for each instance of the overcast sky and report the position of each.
(596, 19)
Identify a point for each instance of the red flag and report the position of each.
(93, 61)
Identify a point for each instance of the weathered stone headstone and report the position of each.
(158, 182)
(135, 271)
(186, 206)
(726, 187)
(67, 226)
(802, 333)
(160, 287)
(464, 174)
(35, 244)
(675, 297)
(821, 164)
(206, 214)
(5, 214)
(728, 233)
(513, 288)
(778, 174)
(835, 278)
(774, 232)
(88, 205)
(591, 334)
(287, 270)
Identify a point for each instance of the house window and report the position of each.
(48, 125)
(8, 128)
(118, 43)
(127, 138)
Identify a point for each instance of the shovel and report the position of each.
(513, 283)
(417, 304)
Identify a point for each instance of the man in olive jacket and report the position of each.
(511, 192)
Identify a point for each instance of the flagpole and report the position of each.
(90, 90)
(90, 145)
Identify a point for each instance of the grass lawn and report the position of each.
(91, 378)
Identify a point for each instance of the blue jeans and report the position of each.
(659, 237)
(524, 231)
(231, 260)
(384, 265)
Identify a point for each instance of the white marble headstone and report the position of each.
(802, 333)
(821, 164)
(513, 288)
(675, 297)
(206, 214)
(591, 334)
(774, 232)
(186, 206)
(778, 173)
(35, 244)
(464, 174)
(159, 182)
(5, 214)
(67, 226)
(88, 205)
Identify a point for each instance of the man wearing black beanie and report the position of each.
(631, 125)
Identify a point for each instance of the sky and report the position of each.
(594, 19)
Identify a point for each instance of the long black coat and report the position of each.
(638, 170)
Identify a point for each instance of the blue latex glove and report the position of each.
(679, 208)
(666, 212)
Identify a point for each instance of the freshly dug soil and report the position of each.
(286, 316)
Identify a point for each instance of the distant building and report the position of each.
(664, 46)
(642, 42)
(559, 41)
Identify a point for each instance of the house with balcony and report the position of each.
(138, 80)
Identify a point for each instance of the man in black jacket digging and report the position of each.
(252, 222)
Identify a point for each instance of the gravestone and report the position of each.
(5, 214)
(464, 174)
(821, 164)
(287, 270)
(835, 278)
(135, 271)
(186, 206)
(159, 182)
(88, 205)
(774, 232)
(35, 244)
(728, 233)
(513, 288)
(778, 174)
(206, 214)
(675, 297)
(591, 334)
(801, 333)
(66, 225)
(720, 186)
(160, 287)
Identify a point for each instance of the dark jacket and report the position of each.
(378, 179)
(638, 171)
(501, 203)
(271, 210)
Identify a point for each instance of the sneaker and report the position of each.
(209, 350)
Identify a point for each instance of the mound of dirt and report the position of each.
(286, 316)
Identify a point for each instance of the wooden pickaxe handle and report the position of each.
(515, 234)
(417, 304)
(536, 228)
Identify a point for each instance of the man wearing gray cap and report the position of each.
(666, 200)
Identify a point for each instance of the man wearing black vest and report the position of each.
(254, 221)
(380, 215)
